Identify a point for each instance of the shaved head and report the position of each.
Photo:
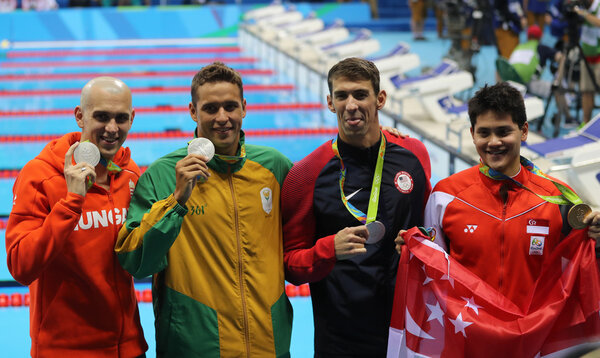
(105, 114)
(106, 84)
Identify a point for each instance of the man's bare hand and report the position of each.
(399, 241)
(394, 131)
(188, 171)
(593, 220)
(350, 242)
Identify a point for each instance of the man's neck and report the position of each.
(102, 178)
(513, 171)
(231, 152)
(364, 141)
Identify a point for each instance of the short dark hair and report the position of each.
(501, 98)
(215, 72)
(354, 68)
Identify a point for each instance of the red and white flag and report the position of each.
(443, 309)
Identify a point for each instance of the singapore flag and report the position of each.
(443, 310)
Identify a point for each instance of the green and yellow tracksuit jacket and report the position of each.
(218, 284)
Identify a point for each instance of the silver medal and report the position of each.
(202, 146)
(87, 152)
(376, 232)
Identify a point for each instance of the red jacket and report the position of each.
(62, 245)
(504, 244)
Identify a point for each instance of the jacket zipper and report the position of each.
(115, 261)
(240, 267)
(502, 243)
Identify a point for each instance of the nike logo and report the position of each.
(351, 195)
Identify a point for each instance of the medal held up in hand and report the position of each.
(202, 146)
(576, 215)
(87, 152)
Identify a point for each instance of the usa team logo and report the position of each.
(404, 182)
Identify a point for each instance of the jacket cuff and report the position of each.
(179, 209)
(74, 202)
(328, 247)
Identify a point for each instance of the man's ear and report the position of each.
(330, 104)
(524, 131)
(381, 98)
(192, 110)
(78, 116)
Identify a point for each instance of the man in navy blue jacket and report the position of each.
(328, 198)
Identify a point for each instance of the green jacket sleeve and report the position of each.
(153, 223)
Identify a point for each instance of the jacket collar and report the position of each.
(230, 164)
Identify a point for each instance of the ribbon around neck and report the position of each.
(375, 186)
(567, 196)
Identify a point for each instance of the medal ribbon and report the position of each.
(375, 187)
(232, 159)
(568, 196)
(111, 167)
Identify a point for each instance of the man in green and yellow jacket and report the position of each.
(209, 231)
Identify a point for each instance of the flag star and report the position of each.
(460, 325)
(436, 313)
(427, 278)
(471, 304)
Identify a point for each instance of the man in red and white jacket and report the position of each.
(511, 278)
(493, 226)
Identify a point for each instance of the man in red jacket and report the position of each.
(62, 230)
(502, 218)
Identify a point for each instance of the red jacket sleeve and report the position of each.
(306, 258)
(39, 225)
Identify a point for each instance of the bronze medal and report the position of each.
(576, 215)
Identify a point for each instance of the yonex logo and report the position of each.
(470, 229)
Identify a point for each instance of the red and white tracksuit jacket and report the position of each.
(504, 243)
